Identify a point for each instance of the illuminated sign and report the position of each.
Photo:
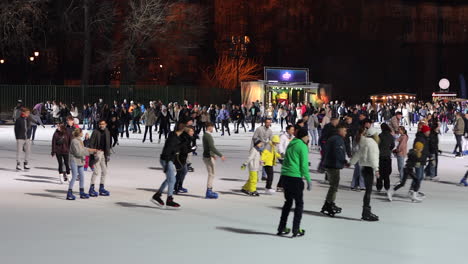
(291, 75)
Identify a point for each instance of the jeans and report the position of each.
(401, 165)
(33, 132)
(443, 128)
(368, 175)
(170, 171)
(293, 191)
(334, 179)
(62, 159)
(420, 176)
(314, 137)
(76, 170)
(358, 180)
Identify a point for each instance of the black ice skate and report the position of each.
(327, 209)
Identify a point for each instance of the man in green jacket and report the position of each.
(295, 167)
(209, 157)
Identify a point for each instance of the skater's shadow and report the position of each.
(232, 179)
(191, 195)
(244, 231)
(446, 182)
(46, 195)
(147, 190)
(40, 177)
(232, 192)
(46, 168)
(133, 205)
(57, 191)
(36, 181)
(155, 168)
(5, 169)
(314, 213)
(401, 198)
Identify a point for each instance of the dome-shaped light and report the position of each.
(444, 84)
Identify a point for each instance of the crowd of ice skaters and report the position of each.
(344, 135)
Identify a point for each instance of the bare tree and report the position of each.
(22, 24)
(224, 72)
(150, 23)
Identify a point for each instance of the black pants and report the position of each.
(213, 121)
(115, 138)
(458, 145)
(124, 129)
(385, 169)
(239, 122)
(280, 183)
(253, 123)
(368, 175)
(225, 124)
(406, 174)
(163, 129)
(269, 173)
(281, 122)
(33, 136)
(148, 128)
(136, 124)
(180, 177)
(62, 159)
(293, 191)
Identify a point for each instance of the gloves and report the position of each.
(243, 166)
(309, 185)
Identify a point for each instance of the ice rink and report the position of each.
(39, 226)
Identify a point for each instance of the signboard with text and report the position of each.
(286, 75)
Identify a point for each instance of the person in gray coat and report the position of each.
(150, 120)
(78, 154)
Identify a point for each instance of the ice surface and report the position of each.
(39, 226)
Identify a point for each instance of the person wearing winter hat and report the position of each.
(295, 168)
(254, 163)
(334, 161)
(368, 158)
(269, 158)
(423, 137)
(413, 161)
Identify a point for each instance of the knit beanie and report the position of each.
(419, 146)
(425, 129)
(302, 133)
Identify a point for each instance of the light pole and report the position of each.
(238, 50)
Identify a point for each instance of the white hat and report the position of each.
(371, 132)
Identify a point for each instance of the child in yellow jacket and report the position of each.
(270, 156)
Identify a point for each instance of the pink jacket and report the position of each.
(402, 149)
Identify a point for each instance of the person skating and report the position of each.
(253, 163)
(463, 181)
(168, 156)
(60, 149)
(402, 150)
(209, 158)
(186, 147)
(285, 139)
(114, 125)
(386, 146)
(334, 161)
(164, 121)
(295, 168)
(270, 155)
(23, 133)
(150, 120)
(224, 117)
(328, 131)
(413, 161)
(78, 153)
(423, 137)
(458, 131)
(368, 158)
(100, 140)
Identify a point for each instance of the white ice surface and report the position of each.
(39, 226)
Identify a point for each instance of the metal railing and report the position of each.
(33, 94)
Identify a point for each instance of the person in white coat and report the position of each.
(368, 158)
(254, 164)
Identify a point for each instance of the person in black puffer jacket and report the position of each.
(334, 161)
(433, 159)
(167, 159)
(187, 146)
(423, 137)
(386, 145)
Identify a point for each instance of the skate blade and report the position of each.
(156, 203)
